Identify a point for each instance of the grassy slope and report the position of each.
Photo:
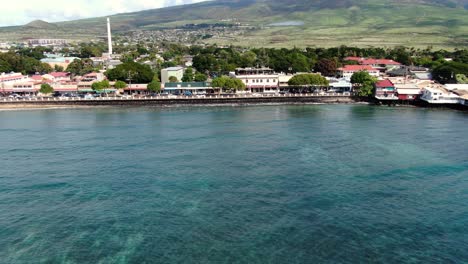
(375, 23)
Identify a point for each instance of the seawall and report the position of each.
(179, 101)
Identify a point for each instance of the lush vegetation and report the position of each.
(99, 86)
(228, 84)
(131, 72)
(308, 80)
(154, 86)
(120, 85)
(46, 89)
(212, 61)
(363, 82)
(81, 67)
(26, 61)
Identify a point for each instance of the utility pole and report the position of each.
(129, 79)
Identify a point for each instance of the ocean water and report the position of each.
(257, 184)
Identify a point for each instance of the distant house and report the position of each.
(57, 60)
(382, 65)
(416, 72)
(385, 91)
(353, 58)
(348, 70)
(61, 76)
(177, 72)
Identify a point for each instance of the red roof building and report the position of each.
(379, 62)
(60, 74)
(385, 90)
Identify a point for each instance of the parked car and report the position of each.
(16, 96)
(188, 93)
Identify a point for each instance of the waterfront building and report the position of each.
(66, 87)
(8, 80)
(258, 80)
(341, 85)
(439, 95)
(459, 89)
(385, 91)
(28, 87)
(407, 92)
(136, 88)
(348, 70)
(166, 73)
(191, 87)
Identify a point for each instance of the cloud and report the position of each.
(24, 11)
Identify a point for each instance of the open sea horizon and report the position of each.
(245, 184)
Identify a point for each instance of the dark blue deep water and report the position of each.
(269, 184)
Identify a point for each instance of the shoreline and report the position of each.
(187, 101)
(209, 102)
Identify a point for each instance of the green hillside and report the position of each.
(286, 23)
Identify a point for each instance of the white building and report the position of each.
(47, 42)
(8, 79)
(461, 90)
(258, 80)
(439, 95)
(340, 84)
(177, 72)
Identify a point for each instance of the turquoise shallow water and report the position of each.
(270, 184)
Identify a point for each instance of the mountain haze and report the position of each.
(420, 23)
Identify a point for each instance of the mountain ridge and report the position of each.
(322, 22)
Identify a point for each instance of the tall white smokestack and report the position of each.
(109, 37)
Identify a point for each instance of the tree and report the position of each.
(97, 86)
(80, 67)
(228, 84)
(173, 79)
(46, 89)
(364, 82)
(138, 73)
(45, 68)
(105, 84)
(188, 75)
(308, 79)
(326, 67)
(447, 72)
(200, 77)
(120, 85)
(462, 79)
(154, 86)
(58, 68)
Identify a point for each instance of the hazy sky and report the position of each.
(20, 12)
